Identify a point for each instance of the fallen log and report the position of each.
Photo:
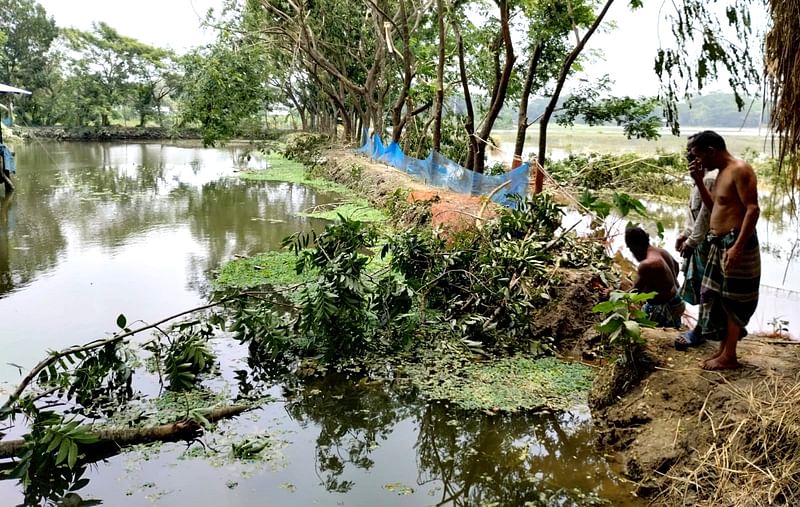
(111, 440)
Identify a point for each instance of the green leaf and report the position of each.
(73, 454)
(612, 323)
(63, 451)
(641, 298)
(55, 442)
(633, 328)
(121, 321)
(79, 484)
(605, 307)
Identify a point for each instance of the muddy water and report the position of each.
(95, 230)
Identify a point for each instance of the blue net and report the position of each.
(439, 171)
(8, 159)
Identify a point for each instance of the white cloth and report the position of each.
(697, 222)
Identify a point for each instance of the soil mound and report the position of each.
(694, 437)
(449, 210)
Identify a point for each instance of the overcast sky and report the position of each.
(628, 51)
(164, 23)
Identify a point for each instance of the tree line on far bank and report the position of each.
(441, 74)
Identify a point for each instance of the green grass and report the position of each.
(356, 209)
(273, 268)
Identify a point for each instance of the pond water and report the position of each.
(99, 229)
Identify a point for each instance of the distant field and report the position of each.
(582, 139)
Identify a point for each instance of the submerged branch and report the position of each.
(55, 356)
(111, 440)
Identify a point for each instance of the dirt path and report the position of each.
(378, 181)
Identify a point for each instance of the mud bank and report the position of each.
(692, 437)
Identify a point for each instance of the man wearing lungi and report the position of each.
(733, 272)
(657, 272)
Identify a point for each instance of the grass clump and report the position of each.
(271, 268)
(356, 209)
(281, 169)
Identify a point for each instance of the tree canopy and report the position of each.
(443, 74)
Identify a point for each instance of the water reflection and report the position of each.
(352, 420)
(98, 229)
(462, 458)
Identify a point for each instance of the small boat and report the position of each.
(7, 165)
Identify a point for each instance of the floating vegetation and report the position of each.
(281, 169)
(399, 488)
(271, 268)
(505, 385)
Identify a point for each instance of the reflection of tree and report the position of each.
(108, 193)
(231, 217)
(508, 460)
(32, 233)
(352, 418)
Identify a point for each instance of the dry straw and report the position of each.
(754, 457)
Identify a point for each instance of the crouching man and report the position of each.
(657, 272)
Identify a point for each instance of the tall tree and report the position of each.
(29, 32)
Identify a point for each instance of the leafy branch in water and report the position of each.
(87, 383)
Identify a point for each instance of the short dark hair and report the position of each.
(636, 236)
(707, 139)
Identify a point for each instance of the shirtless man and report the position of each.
(657, 272)
(733, 273)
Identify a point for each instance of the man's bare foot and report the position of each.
(719, 362)
(713, 356)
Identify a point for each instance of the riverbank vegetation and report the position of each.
(454, 318)
(475, 317)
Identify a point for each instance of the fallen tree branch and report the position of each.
(111, 440)
(53, 357)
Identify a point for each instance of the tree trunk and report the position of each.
(522, 118)
(500, 88)
(399, 119)
(469, 124)
(438, 102)
(562, 77)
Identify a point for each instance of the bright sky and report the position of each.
(163, 23)
(628, 51)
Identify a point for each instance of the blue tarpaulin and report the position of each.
(8, 159)
(439, 171)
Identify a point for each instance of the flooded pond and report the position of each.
(99, 229)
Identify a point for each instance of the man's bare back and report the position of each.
(657, 273)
